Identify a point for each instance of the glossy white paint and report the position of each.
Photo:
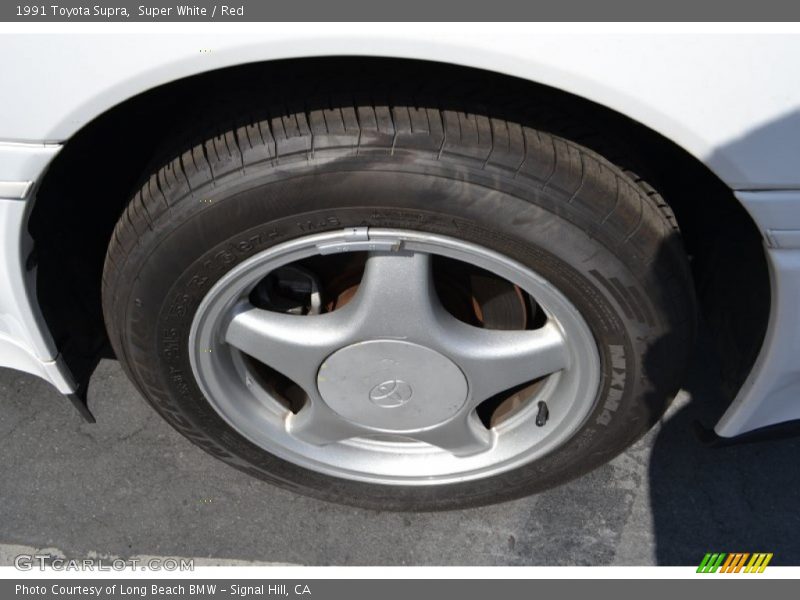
(16, 356)
(25, 344)
(21, 164)
(716, 95)
(19, 317)
(15, 190)
(771, 393)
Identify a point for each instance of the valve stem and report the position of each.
(542, 415)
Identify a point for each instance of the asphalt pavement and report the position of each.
(131, 486)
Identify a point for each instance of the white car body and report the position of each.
(729, 100)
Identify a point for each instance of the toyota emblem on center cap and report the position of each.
(389, 394)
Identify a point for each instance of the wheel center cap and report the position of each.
(392, 386)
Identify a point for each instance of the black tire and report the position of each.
(586, 225)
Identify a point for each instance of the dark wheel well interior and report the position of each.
(90, 181)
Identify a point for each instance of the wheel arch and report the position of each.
(89, 182)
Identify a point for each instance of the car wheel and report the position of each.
(399, 307)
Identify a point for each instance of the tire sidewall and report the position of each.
(179, 260)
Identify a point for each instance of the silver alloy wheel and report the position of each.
(392, 378)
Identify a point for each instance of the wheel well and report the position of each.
(90, 181)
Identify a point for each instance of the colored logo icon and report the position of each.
(736, 562)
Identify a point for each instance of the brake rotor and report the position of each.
(498, 304)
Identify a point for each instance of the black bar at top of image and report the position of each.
(407, 10)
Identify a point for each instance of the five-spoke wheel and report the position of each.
(391, 381)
